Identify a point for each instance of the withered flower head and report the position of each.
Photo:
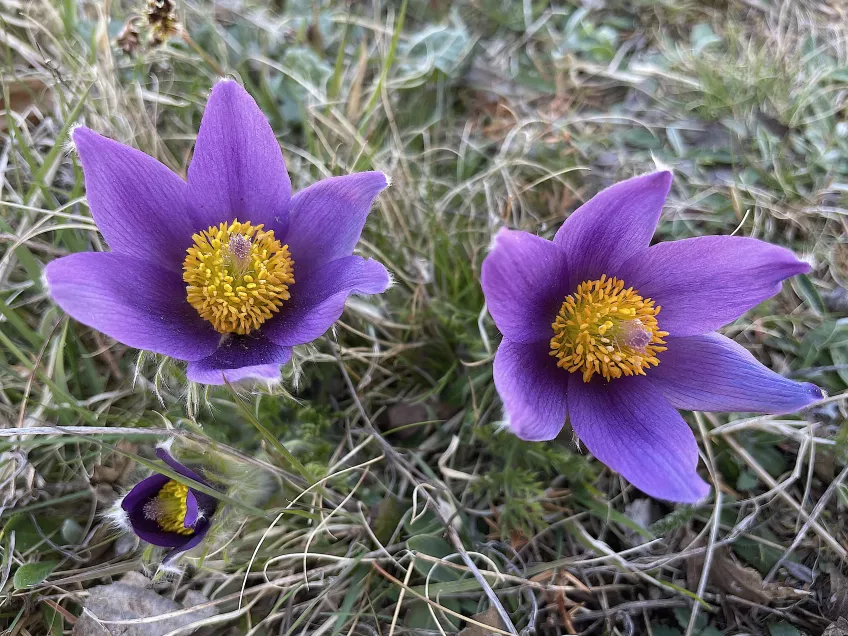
(128, 39)
(161, 16)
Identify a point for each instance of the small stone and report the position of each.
(133, 598)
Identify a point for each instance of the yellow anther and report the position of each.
(616, 334)
(168, 508)
(225, 261)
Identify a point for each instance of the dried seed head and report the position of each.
(128, 39)
(161, 16)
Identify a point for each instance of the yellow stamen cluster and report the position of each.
(238, 276)
(606, 329)
(169, 508)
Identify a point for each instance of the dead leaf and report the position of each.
(490, 617)
(732, 577)
(825, 465)
(133, 598)
(836, 301)
(403, 414)
(643, 512)
(29, 96)
(355, 95)
(736, 579)
(839, 263)
(835, 595)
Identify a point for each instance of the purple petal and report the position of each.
(142, 491)
(132, 301)
(207, 504)
(177, 467)
(238, 358)
(238, 170)
(713, 373)
(192, 511)
(525, 281)
(139, 205)
(193, 540)
(629, 426)
(147, 529)
(533, 389)
(706, 282)
(327, 218)
(612, 226)
(318, 300)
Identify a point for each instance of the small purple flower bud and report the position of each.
(167, 513)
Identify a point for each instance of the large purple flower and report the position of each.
(168, 514)
(617, 335)
(226, 270)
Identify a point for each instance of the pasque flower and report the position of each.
(617, 335)
(226, 270)
(167, 513)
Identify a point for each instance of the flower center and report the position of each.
(168, 508)
(238, 276)
(606, 329)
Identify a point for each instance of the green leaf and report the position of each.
(701, 37)
(426, 523)
(358, 583)
(768, 456)
(683, 615)
(72, 532)
(827, 335)
(748, 480)
(270, 438)
(26, 534)
(804, 287)
(673, 520)
(783, 629)
(438, 47)
(418, 616)
(53, 620)
(840, 360)
(387, 516)
(31, 574)
(433, 546)
(757, 554)
(389, 60)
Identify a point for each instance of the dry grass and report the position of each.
(373, 492)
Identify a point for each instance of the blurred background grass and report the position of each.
(423, 516)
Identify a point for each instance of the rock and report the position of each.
(132, 598)
(839, 628)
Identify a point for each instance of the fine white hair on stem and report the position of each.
(117, 517)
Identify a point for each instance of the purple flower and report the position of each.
(226, 270)
(169, 514)
(617, 335)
